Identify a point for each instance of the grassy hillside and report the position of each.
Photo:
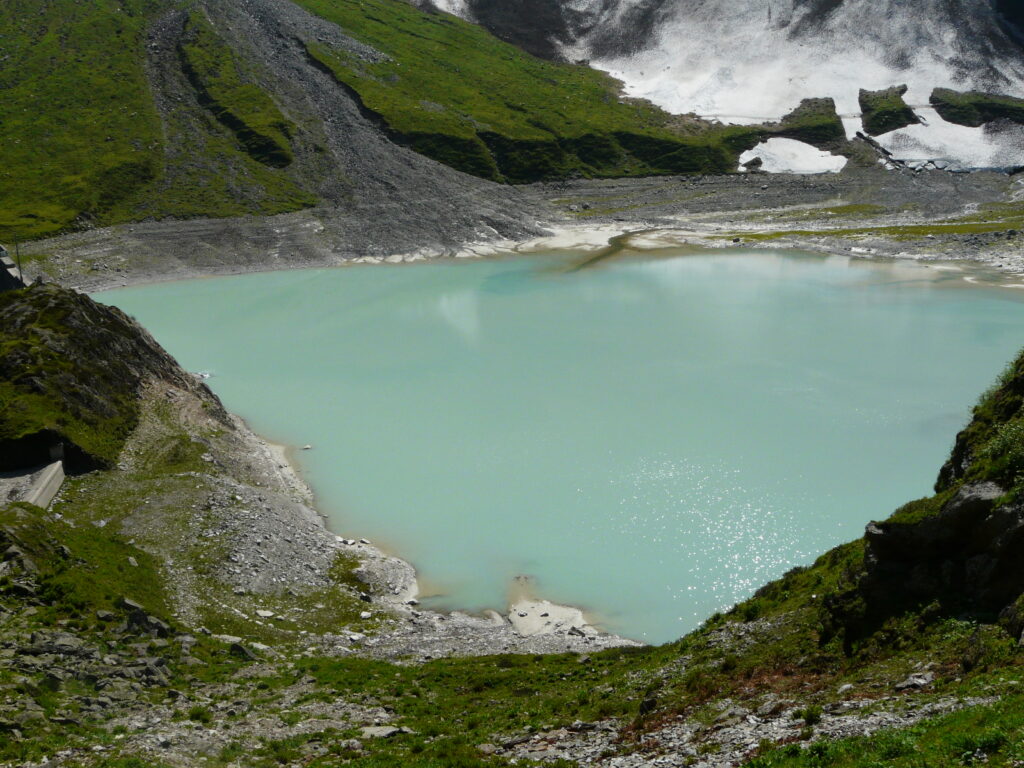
(79, 128)
(84, 143)
(454, 92)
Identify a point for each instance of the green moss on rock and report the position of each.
(814, 121)
(885, 111)
(975, 108)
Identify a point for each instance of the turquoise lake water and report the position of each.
(651, 439)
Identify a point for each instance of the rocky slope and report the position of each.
(71, 372)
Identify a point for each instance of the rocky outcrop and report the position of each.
(959, 552)
(967, 557)
(71, 371)
(974, 108)
(885, 111)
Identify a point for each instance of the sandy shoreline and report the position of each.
(528, 614)
(857, 214)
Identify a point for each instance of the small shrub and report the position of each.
(811, 714)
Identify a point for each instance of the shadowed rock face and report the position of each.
(967, 557)
(958, 553)
(1012, 16)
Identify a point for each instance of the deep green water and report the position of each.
(651, 439)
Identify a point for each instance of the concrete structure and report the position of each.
(9, 277)
(46, 485)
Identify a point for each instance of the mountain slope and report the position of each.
(126, 111)
(748, 62)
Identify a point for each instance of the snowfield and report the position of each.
(752, 61)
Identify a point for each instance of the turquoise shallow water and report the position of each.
(651, 439)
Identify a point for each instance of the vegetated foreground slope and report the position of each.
(100, 604)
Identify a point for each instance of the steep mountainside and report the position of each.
(749, 62)
(149, 109)
(119, 111)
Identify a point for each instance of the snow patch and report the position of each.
(746, 61)
(455, 7)
(956, 145)
(791, 156)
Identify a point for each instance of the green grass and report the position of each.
(83, 140)
(454, 92)
(83, 568)
(991, 735)
(992, 444)
(80, 131)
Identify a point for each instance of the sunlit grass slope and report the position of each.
(83, 141)
(78, 125)
(454, 92)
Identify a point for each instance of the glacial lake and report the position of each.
(650, 438)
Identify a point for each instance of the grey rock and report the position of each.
(916, 681)
(382, 731)
(242, 652)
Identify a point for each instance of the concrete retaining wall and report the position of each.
(9, 277)
(46, 485)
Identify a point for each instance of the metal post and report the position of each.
(17, 255)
